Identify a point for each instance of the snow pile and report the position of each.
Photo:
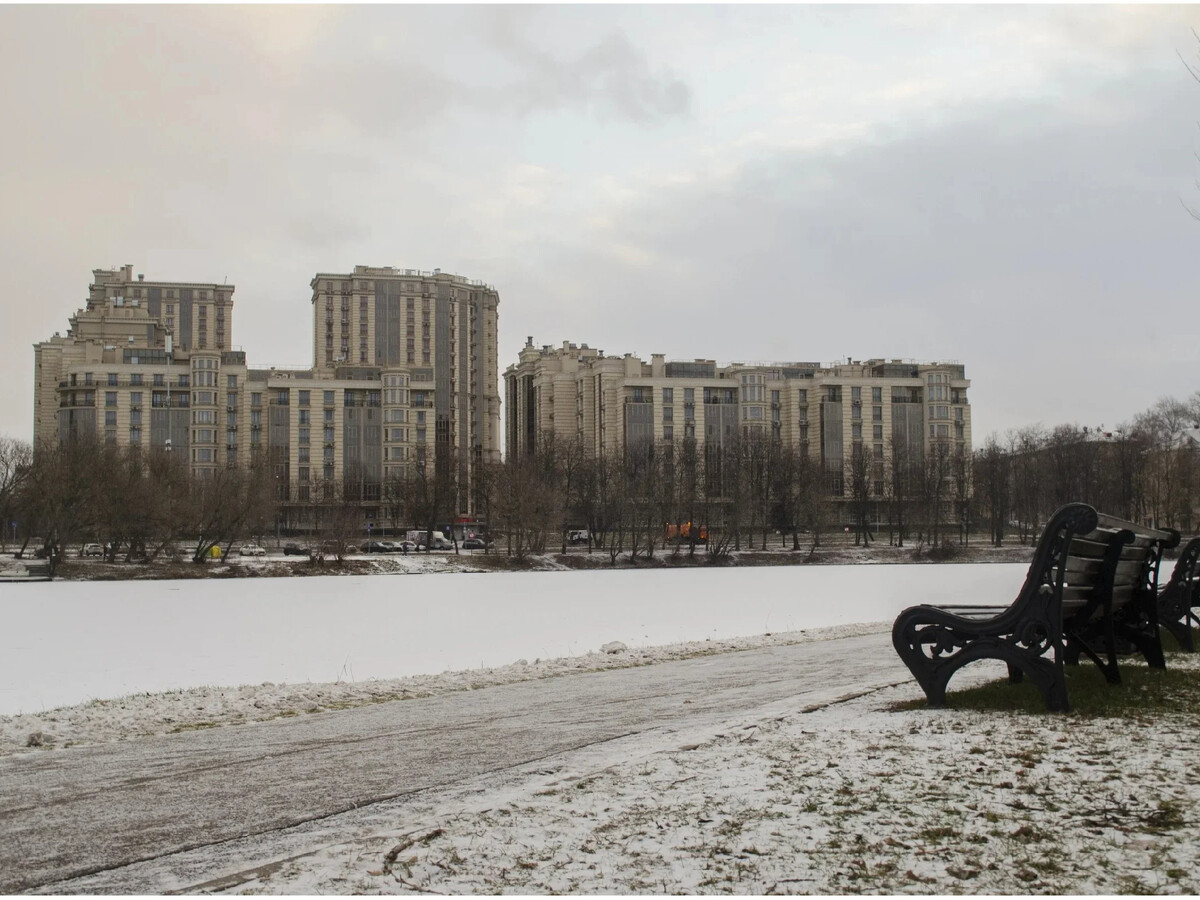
(144, 714)
(852, 798)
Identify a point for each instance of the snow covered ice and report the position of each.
(853, 797)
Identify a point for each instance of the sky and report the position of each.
(998, 185)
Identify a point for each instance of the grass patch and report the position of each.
(1170, 645)
(1142, 690)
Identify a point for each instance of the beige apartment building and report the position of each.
(153, 364)
(835, 412)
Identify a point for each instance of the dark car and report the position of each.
(294, 549)
(377, 547)
(473, 544)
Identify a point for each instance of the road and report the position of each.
(186, 810)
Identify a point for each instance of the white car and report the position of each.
(91, 550)
(252, 550)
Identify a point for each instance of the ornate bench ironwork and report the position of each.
(1180, 598)
(1090, 590)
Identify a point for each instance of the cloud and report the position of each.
(1040, 243)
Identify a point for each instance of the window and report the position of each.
(135, 400)
(112, 379)
(110, 398)
(304, 413)
(877, 432)
(876, 395)
(329, 434)
(135, 379)
(135, 434)
(158, 379)
(302, 400)
(302, 436)
(856, 430)
(329, 398)
(877, 414)
(110, 417)
(231, 382)
(255, 400)
(302, 455)
(668, 432)
(668, 413)
(856, 395)
(668, 395)
(183, 381)
(689, 395)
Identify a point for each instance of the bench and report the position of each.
(1181, 596)
(1090, 590)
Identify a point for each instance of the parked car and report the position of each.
(473, 544)
(293, 549)
(252, 550)
(377, 547)
(407, 546)
(91, 550)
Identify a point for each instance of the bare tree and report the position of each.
(15, 459)
(858, 479)
(992, 479)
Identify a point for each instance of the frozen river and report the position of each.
(63, 643)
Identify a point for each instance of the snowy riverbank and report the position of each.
(150, 713)
(851, 797)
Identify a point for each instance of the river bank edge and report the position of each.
(497, 560)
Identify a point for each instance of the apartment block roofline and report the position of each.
(571, 347)
(125, 273)
(395, 272)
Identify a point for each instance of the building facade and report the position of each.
(836, 413)
(152, 364)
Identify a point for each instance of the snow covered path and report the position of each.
(174, 811)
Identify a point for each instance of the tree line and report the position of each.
(1146, 470)
(680, 497)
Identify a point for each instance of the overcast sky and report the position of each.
(1002, 186)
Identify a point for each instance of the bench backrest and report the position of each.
(1087, 559)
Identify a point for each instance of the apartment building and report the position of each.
(835, 412)
(432, 338)
(152, 364)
